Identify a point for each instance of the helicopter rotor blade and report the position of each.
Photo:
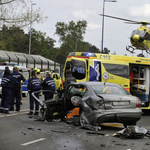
(118, 18)
(133, 22)
(142, 22)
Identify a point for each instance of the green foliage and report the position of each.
(71, 34)
(106, 51)
(94, 49)
(71, 39)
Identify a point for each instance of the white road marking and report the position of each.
(13, 113)
(33, 141)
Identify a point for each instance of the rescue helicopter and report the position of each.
(140, 38)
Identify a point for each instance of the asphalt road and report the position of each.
(19, 132)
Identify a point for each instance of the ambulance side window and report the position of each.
(78, 69)
(117, 69)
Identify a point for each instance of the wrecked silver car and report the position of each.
(98, 102)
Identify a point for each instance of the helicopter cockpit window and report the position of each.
(147, 36)
(133, 33)
(141, 33)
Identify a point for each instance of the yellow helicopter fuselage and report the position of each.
(140, 38)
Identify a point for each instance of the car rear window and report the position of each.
(109, 89)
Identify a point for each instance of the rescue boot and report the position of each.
(30, 113)
(36, 113)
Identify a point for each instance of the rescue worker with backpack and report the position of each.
(34, 84)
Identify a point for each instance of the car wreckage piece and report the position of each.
(89, 112)
(132, 132)
(56, 109)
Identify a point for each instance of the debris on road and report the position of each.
(132, 132)
(98, 133)
(91, 127)
(60, 131)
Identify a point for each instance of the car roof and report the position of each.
(96, 83)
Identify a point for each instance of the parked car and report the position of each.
(57, 79)
(99, 102)
(43, 74)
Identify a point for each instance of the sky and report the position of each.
(116, 32)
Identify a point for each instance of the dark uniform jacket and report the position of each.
(7, 82)
(49, 84)
(69, 79)
(17, 79)
(34, 84)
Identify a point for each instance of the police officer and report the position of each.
(16, 92)
(48, 84)
(34, 84)
(7, 85)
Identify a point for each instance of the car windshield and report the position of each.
(26, 74)
(43, 74)
(109, 89)
(77, 90)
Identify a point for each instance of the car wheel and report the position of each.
(82, 119)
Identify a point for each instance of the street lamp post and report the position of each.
(30, 35)
(103, 21)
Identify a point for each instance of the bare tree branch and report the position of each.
(6, 2)
(18, 13)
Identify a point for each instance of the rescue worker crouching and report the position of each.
(34, 84)
(48, 84)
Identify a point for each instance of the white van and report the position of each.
(22, 69)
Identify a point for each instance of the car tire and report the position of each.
(82, 120)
